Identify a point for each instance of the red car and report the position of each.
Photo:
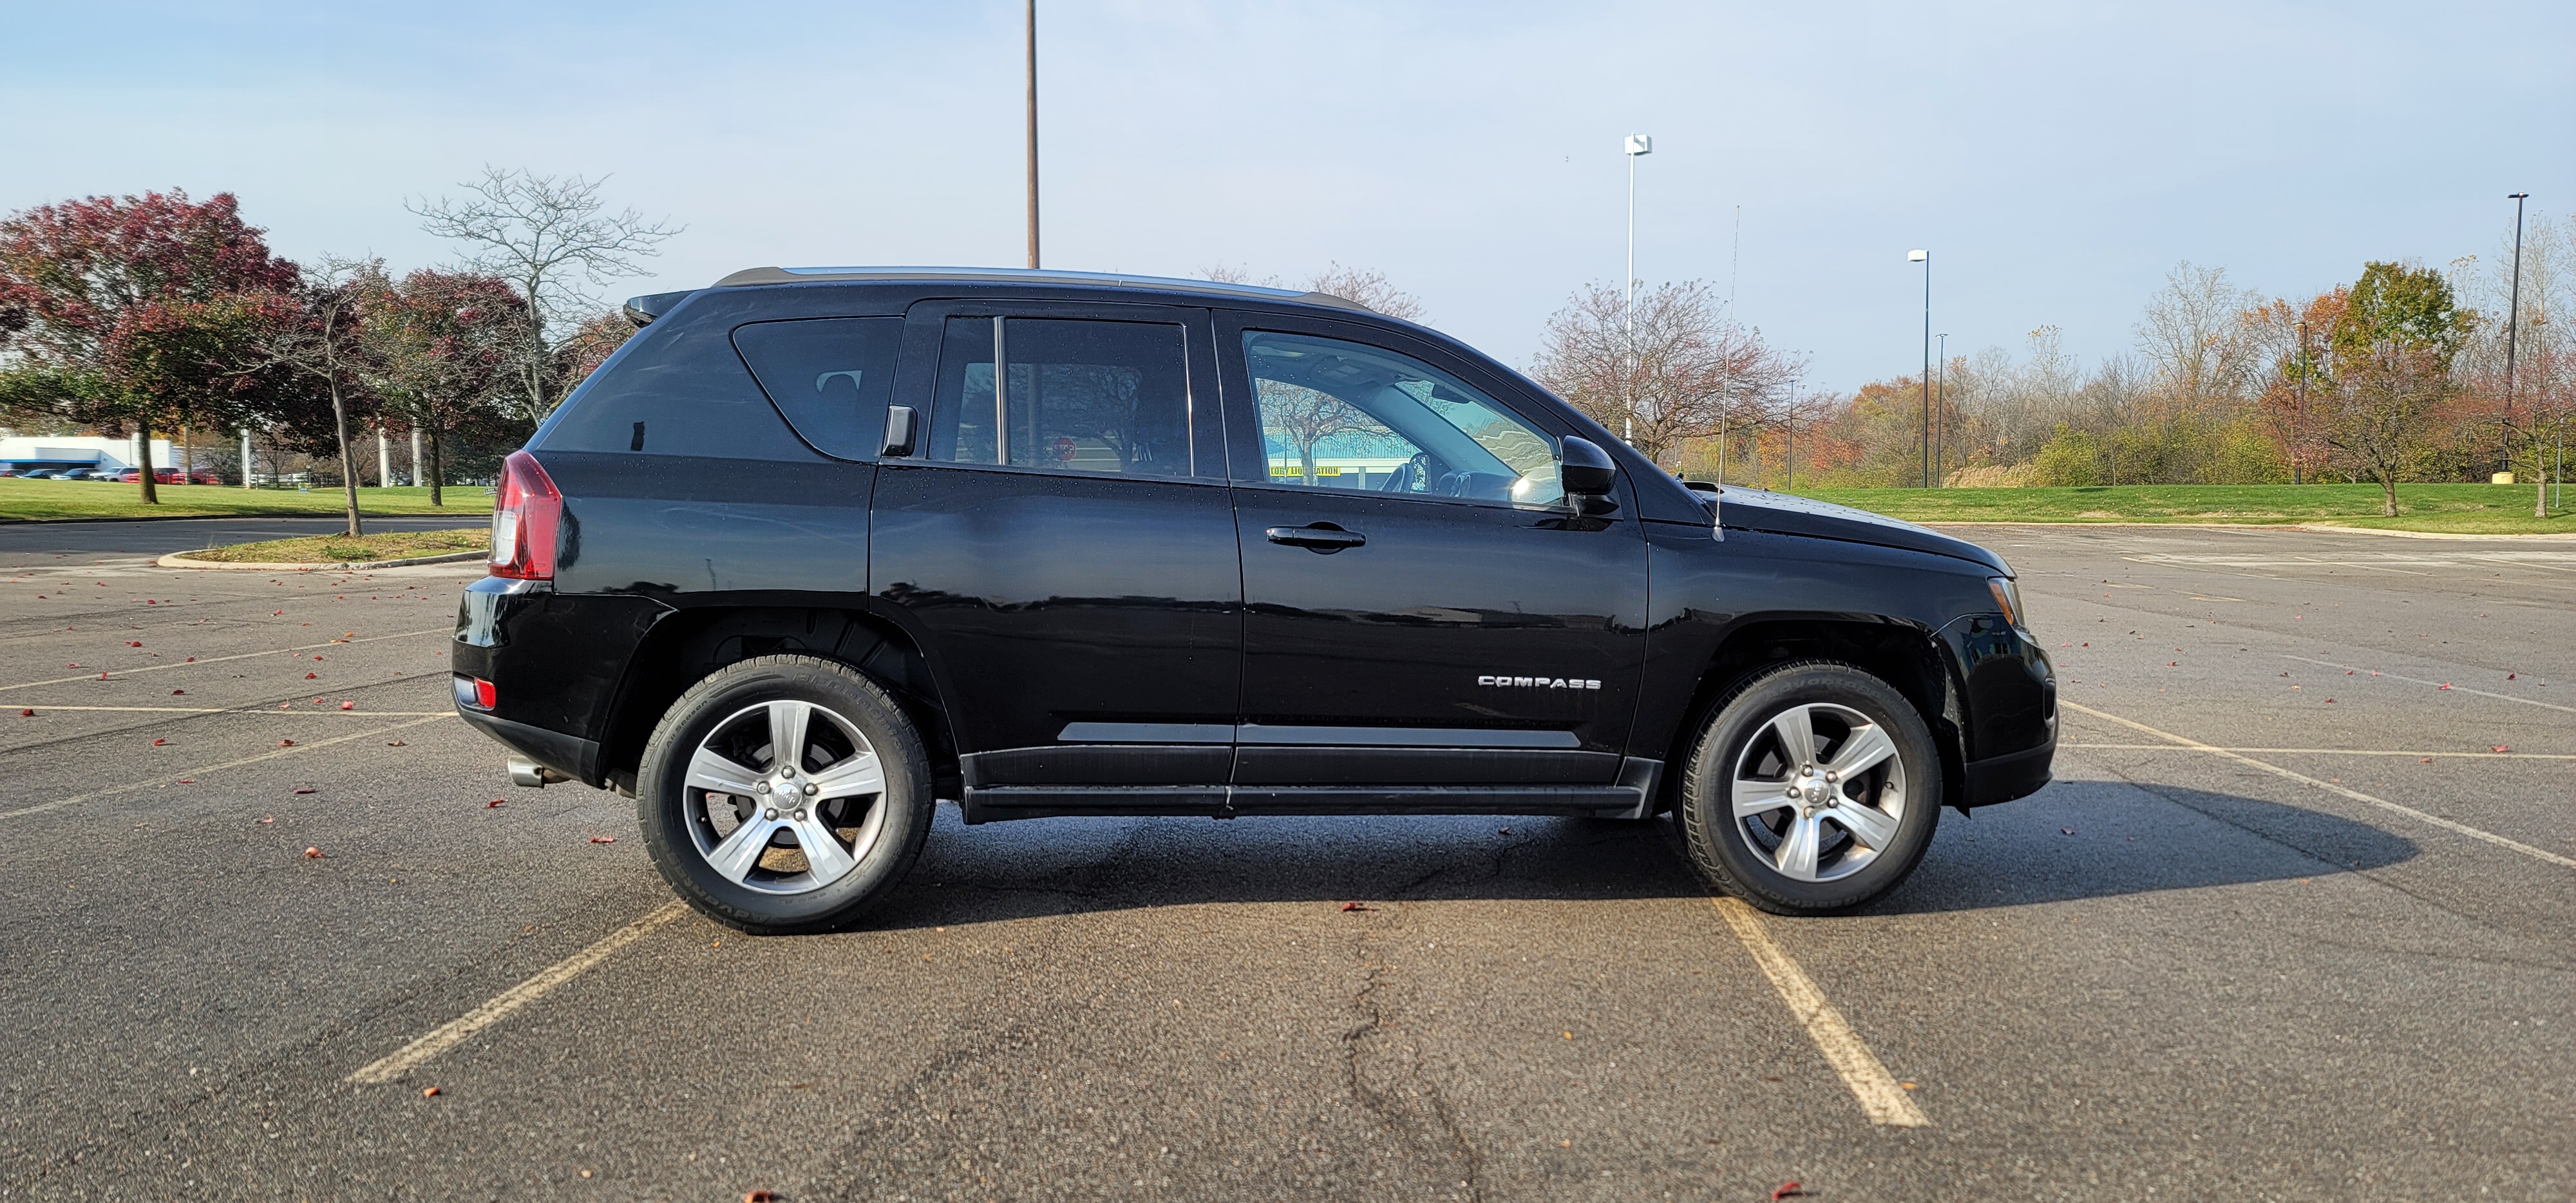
(167, 476)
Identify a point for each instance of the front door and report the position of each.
(1421, 605)
(1062, 546)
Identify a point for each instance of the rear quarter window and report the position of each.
(676, 388)
(829, 376)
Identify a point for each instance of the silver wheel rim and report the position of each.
(784, 822)
(1818, 793)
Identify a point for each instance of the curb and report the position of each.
(180, 559)
(2319, 528)
(205, 518)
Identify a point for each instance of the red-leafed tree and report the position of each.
(112, 307)
(440, 354)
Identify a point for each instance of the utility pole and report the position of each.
(1033, 132)
(2512, 322)
(1925, 258)
(2299, 420)
(1941, 408)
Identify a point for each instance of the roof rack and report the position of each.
(804, 275)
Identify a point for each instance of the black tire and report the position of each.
(672, 831)
(1723, 847)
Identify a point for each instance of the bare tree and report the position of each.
(553, 239)
(2191, 332)
(1687, 372)
(1368, 286)
(325, 347)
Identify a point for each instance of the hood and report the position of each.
(1779, 513)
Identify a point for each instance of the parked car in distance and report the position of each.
(817, 547)
(38, 474)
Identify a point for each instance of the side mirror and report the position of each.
(898, 430)
(1584, 469)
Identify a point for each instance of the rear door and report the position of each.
(1421, 606)
(1062, 546)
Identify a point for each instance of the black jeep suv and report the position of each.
(819, 546)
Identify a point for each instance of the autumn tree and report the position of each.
(2389, 367)
(554, 240)
(438, 353)
(324, 348)
(1685, 371)
(120, 312)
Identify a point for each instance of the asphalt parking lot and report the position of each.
(2293, 923)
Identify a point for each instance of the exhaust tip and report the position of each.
(528, 774)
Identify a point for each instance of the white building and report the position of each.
(27, 452)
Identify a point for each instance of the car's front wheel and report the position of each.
(1813, 789)
(784, 794)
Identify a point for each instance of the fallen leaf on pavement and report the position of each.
(759, 1196)
(494, 802)
(2508, 676)
(2066, 831)
(176, 692)
(603, 839)
(1787, 1190)
(312, 854)
(348, 705)
(133, 643)
(2426, 760)
(26, 714)
(311, 676)
(393, 743)
(158, 742)
(429, 1092)
(286, 743)
(1353, 906)
(304, 790)
(2443, 685)
(2502, 748)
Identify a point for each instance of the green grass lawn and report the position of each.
(46, 500)
(2441, 508)
(341, 549)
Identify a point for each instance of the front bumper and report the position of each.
(2011, 775)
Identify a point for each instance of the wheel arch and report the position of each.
(688, 644)
(1907, 657)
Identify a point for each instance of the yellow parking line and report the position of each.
(464, 1027)
(2332, 788)
(1880, 1097)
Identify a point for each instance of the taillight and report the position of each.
(524, 520)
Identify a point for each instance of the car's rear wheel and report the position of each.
(784, 794)
(1813, 789)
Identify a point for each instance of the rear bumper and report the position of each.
(570, 755)
(2012, 775)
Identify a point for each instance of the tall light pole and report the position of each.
(1925, 258)
(1033, 131)
(1638, 145)
(2512, 321)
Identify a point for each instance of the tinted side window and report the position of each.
(1083, 396)
(1338, 414)
(830, 376)
(676, 388)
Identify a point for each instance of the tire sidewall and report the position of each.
(1720, 847)
(661, 792)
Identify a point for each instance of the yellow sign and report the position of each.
(1297, 471)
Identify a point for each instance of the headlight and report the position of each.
(2007, 598)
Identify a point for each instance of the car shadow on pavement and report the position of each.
(2071, 841)
(2095, 839)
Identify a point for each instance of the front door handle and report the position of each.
(1323, 537)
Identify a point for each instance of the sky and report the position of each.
(2056, 159)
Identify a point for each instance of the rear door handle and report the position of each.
(1321, 537)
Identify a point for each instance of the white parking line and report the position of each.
(2332, 788)
(131, 786)
(464, 1027)
(128, 672)
(1880, 1097)
(2501, 697)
